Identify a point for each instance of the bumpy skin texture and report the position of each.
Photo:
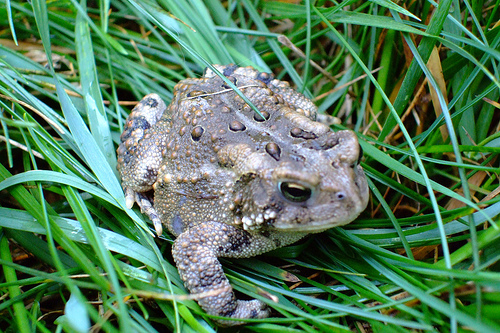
(230, 183)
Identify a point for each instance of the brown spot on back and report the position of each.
(236, 126)
(258, 118)
(196, 133)
(182, 131)
(273, 150)
(299, 133)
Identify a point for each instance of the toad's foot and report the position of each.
(195, 252)
(146, 206)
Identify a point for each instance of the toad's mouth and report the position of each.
(315, 226)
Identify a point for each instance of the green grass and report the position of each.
(425, 254)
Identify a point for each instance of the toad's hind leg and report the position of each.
(195, 252)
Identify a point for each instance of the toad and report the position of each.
(230, 182)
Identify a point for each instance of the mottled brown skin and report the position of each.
(230, 183)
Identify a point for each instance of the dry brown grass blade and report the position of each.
(434, 65)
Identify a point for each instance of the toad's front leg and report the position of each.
(195, 252)
(141, 152)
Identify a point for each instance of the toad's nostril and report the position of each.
(340, 195)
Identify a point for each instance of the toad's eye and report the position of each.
(295, 192)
